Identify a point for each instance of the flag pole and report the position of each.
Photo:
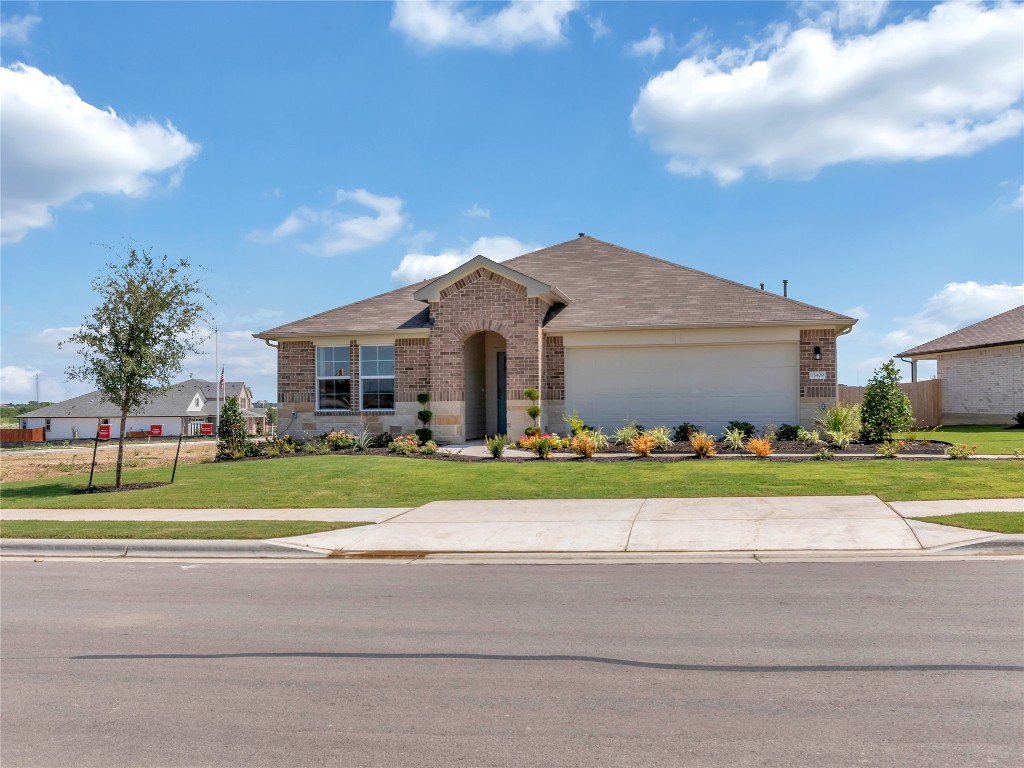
(216, 363)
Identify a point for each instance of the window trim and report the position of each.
(317, 378)
(362, 378)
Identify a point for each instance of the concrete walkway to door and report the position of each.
(756, 524)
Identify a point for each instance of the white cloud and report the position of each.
(845, 14)
(1019, 201)
(435, 24)
(476, 212)
(17, 29)
(651, 45)
(956, 306)
(859, 312)
(797, 101)
(333, 230)
(419, 266)
(598, 27)
(56, 147)
(243, 358)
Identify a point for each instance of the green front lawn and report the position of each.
(989, 439)
(375, 481)
(119, 529)
(1000, 522)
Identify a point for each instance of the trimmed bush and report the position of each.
(886, 408)
(496, 445)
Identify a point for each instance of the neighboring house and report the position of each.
(190, 403)
(609, 332)
(980, 368)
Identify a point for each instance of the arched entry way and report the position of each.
(483, 367)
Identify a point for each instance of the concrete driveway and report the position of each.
(796, 523)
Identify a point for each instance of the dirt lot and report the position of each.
(31, 464)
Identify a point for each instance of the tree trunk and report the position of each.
(120, 448)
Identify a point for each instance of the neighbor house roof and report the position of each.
(172, 401)
(607, 286)
(1007, 328)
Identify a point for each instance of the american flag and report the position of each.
(222, 377)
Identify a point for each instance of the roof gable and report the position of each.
(534, 288)
(1005, 328)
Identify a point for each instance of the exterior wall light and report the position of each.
(817, 353)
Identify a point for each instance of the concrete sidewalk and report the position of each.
(756, 524)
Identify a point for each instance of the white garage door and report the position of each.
(667, 385)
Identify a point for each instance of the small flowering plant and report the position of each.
(338, 441)
(405, 445)
(961, 451)
(889, 448)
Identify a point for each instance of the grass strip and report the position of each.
(121, 529)
(990, 439)
(998, 522)
(379, 481)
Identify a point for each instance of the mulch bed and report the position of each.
(124, 487)
(791, 446)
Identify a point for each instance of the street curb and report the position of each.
(219, 548)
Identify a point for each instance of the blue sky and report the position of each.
(312, 154)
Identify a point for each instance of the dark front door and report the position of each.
(502, 415)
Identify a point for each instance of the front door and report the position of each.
(502, 415)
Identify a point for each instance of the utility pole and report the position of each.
(37, 387)
(216, 374)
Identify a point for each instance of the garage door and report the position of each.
(667, 385)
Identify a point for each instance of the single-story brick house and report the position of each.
(190, 403)
(980, 368)
(610, 332)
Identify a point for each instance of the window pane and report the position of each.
(377, 360)
(379, 394)
(333, 361)
(334, 394)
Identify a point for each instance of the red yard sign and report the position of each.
(206, 429)
(104, 432)
(156, 430)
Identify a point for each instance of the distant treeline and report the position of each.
(13, 411)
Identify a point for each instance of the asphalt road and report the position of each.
(349, 664)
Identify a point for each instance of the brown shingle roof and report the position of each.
(608, 287)
(1007, 328)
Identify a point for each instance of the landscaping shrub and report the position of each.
(961, 451)
(576, 424)
(532, 431)
(623, 435)
(886, 408)
(661, 436)
(425, 416)
(381, 440)
(841, 423)
(404, 445)
(534, 410)
(583, 444)
(733, 439)
(338, 441)
(642, 444)
(807, 437)
(429, 448)
(744, 426)
(703, 445)
(232, 437)
(362, 441)
(496, 445)
(682, 433)
(1018, 420)
(759, 446)
(787, 432)
(543, 446)
(824, 455)
(889, 449)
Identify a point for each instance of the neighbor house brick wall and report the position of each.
(296, 375)
(412, 369)
(982, 385)
(484, 301)
(818, 389)
(554, 369)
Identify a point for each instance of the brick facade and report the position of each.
(554, 369)
(484, 301)
(825, 338)
(412, 369)
(982, 386)
(296, 376)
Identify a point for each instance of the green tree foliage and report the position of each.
(271, 415)
(135, 341)
(232, 436)
(886, 408)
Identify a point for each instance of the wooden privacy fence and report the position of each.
(925, 400)
(37, 435)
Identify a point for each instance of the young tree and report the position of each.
(886, 407)
(135, 341)
(232, 436)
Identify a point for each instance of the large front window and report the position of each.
(377, 377)
(333, 379)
